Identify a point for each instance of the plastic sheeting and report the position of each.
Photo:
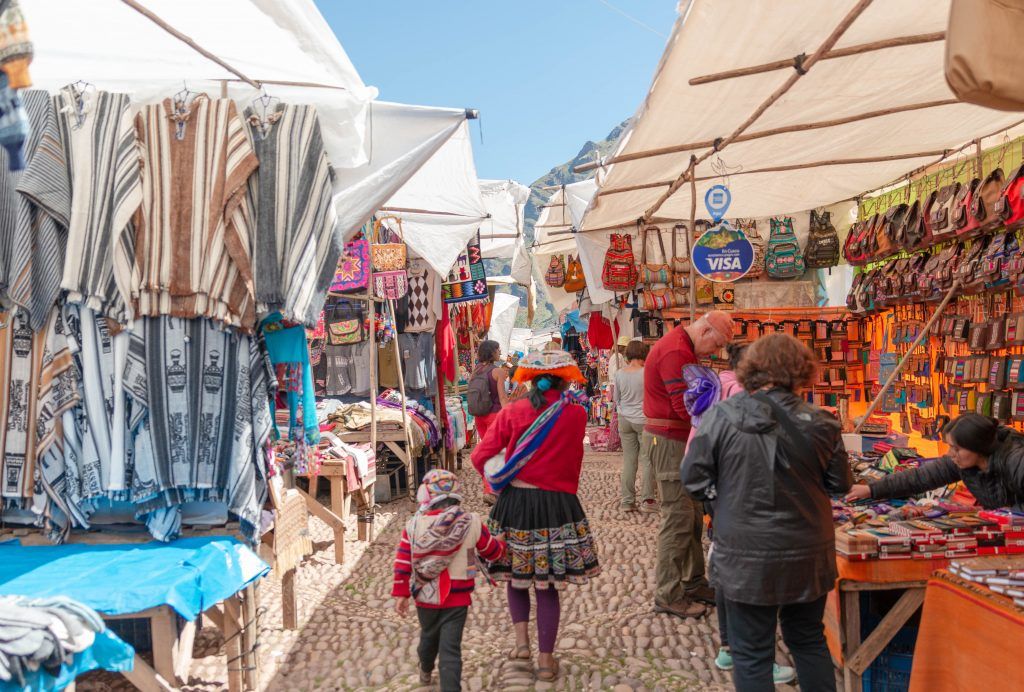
(190, 574)
(108, 652)
(752, 33)
(503, 319)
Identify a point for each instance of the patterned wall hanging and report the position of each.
(467, 281)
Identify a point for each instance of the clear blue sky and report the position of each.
(546, 76)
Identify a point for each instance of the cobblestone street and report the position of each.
(350, 638)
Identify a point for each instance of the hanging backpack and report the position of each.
(984, 202)
(1010, 205)
(555, 276)
(619, 272)
(478, 391)
(574, 279)
(783, 259)
(822, 249)
(749, 228)
(679, 264)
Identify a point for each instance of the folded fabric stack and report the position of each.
(43, 634)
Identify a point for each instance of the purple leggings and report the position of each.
(548, 614)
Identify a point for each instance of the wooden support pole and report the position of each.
(910, 351)
(410, 461)
(776, 169)
(828, 55)
(163, 623)
(183, 652)
(233, 643)
(145, 678)
(250, 637)
(188, 41)
(289, 601)
(689, 241)
(761, 134)
(868, 651)
(826, 46)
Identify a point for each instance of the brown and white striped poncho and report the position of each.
(192, 256)
(296, 239)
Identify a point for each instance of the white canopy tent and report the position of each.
(501, 234)
(503, 319)
(554, 234)
(374, 147)
(873, 110)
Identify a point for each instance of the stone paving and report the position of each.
(350, 638)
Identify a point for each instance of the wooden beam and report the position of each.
(850, 604)
(322, 513)
(188, 41)
(826, 46)
(828, 55)
(802, 127)
(867, 652)
(183, 652)
(689, 242)
(233, 643)
(145, 678)
(164, 634)
(289, 601)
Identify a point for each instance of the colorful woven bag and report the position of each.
(555, 276)
(619, 272)
(353, 272)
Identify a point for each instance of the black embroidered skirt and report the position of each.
(548, 536)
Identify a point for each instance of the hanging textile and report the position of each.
(424, 297)
(200, 413)
(467, 280)
(32, 235)
(295, 239)
(104, 177)
(193, 257)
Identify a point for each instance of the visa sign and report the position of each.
(723, 254)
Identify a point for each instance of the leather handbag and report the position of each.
(977, 337)
(996, 334)
(1001, 406)
(651, 273)
(997, 373)
(886, 243)
(966, 224)
(618, 273)
(353, 271)
(1010, 205)
(749, 228)
(915, 234)
(679, 264)
(941, 216)
(387, 257)
(984, 202)
(555, 275)
(1015, 329)
(969, 271)
(869, 238)
(947, 271)
(575, 281)
(995, 263)
(851, 246)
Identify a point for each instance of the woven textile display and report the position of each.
(468, 280)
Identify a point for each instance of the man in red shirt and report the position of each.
(682, 586)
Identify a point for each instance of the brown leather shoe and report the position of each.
(682, 609)
(702, 594)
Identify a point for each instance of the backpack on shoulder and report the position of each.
(478, 392)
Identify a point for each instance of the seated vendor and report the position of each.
(987, 457)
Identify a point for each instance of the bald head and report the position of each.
(711, 333)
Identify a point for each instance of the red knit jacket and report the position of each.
(557, 463)
(487, 547)
(664, 385)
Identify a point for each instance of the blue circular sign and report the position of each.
(723, 254)
(717, 200)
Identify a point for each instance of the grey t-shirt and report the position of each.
(629, 394)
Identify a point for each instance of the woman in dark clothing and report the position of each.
(986, 456)
(769, 461)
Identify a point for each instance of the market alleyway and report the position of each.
(350, 638)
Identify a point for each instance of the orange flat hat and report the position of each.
(548, 362)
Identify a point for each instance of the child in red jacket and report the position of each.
(436, 563)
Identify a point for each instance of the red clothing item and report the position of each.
(444, 338)
(487, 547)
(664, 385)
(557, 463)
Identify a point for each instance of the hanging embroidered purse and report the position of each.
(652, 299)
(388, 257)
(390, 285)
(575, 281)
(652, 274)
(555, 275)
(749, 228)
(353, 272)
(680, 264)
(345, 324)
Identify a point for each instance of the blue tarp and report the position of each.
(190, 574)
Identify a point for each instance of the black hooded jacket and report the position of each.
(774, 540)
(1000, 485)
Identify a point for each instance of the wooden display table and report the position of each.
(842, 612)
(971, 638)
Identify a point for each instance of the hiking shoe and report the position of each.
(426, 677)
(723, 661)
(650, 507)
(490, 499)
(625, 507)
(781, 674)
(681, 609)
(703, 594)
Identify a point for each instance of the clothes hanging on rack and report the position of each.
(425, 304)
(295, 237)
(418, 363)
(32, 237)
(194, 240)
(104, 180)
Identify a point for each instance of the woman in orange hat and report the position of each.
(533, 454)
